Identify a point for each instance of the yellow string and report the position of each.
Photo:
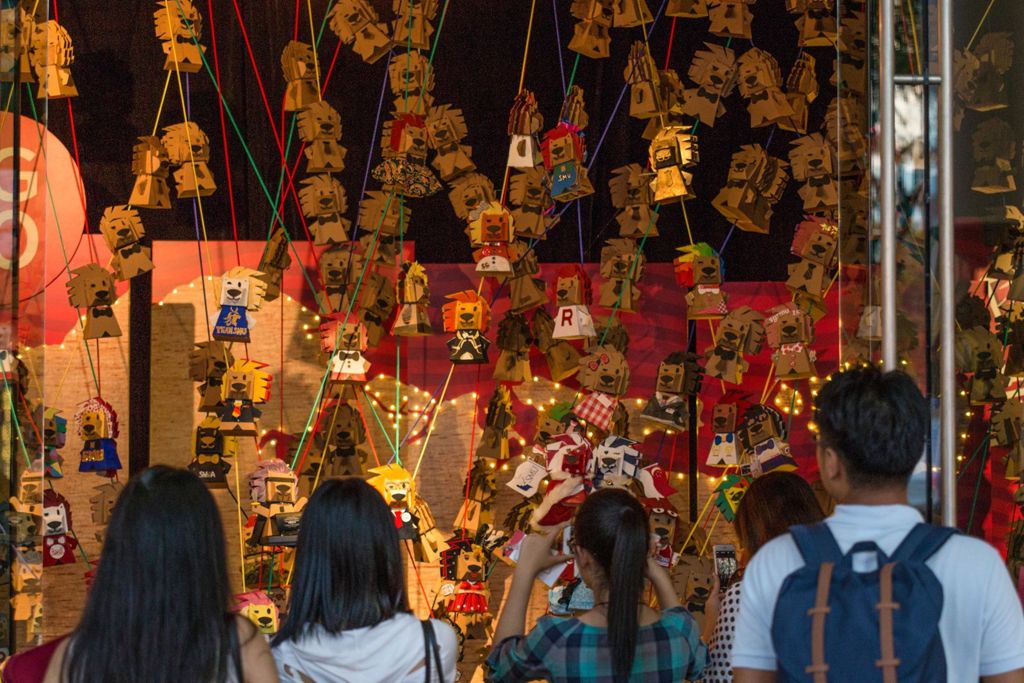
(696, 522)
(526, 49)
(767, 383)
(192, 161)
(522, 81)
(160, 107)
(241, 524)
(980, 24)
(707, 542)
(913, 33)
(433, 421)
(316, 59)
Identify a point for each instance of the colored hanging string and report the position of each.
(224, 133)
(558, 42)
(522, 81)
(433, 421)
(430, 401)
(970, 43)
(63, 249)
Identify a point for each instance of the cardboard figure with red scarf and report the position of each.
(92, 288)
(679, 376)
(790, 331)
(491, 232)
(97, 426)
(413, 518)
(468, 315)
(209, 452)
(525, 123)
(573, 298)
(59, 542)
(605, 373)
(274, 492)
(246, 384)
(122, 230)
(632, 195)
(700, 269)
(568, 463)
(241, 293)
(713, 70)
(357, 23)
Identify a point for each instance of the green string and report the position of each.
(348, 313)
(252, 161)
(572, 75)
(60, 238)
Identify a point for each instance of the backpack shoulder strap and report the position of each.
(816, 543)
(923, 541)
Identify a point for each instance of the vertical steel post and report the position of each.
(947, 371)
(887, 175)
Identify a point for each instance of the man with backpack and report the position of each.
(873, 594)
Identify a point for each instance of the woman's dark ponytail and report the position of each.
(612, 526)
(626, 583)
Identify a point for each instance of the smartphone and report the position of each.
(725, 564)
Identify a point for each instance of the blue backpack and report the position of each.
(832, 623)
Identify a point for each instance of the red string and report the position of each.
(671, 39)
(224, 133)
(366, 426)
(280, 416)
(273, 125)
(419, 580)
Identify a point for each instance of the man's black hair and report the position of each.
(876, 421)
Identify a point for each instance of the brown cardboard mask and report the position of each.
(606, 371)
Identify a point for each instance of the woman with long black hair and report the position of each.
(621, 638)
(158, 609)
(348, 618)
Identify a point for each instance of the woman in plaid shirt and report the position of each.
(620, 639)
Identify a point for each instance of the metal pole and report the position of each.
(947, 371)
(887, 177)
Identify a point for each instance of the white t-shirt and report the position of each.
(391, 652)
(982, 624)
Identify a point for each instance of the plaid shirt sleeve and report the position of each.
(522, 658)
(690, 631)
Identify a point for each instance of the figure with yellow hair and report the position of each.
(413, 518)
(245, 385)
